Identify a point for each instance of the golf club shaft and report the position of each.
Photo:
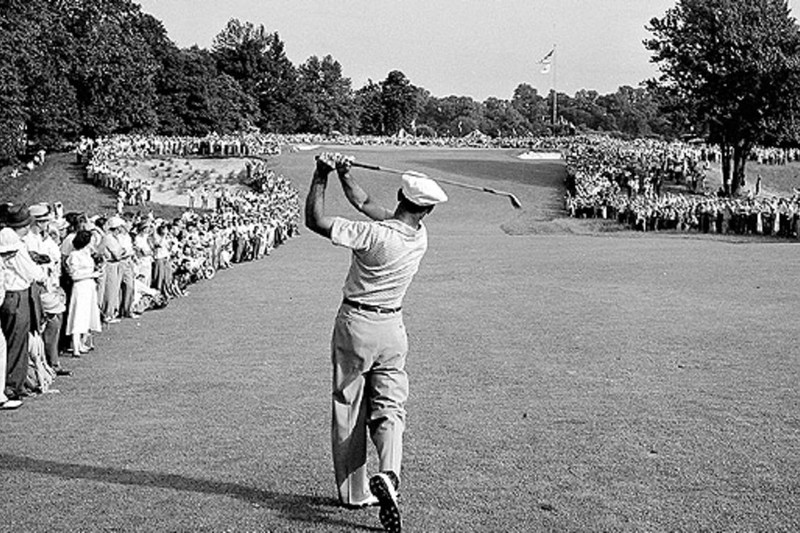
(514, 200)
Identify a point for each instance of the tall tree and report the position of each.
(586, 112)
(15, 32)
(325, 97)
(113, 68)
(452, 115)
(12, 94)
(735, 66)
(632, 110)
(530, 104)
(241, 52)
(37, 60)
(401, 102)
(501, 119)
(257, 60)
(278, 89)
(196, 99)
(370, 109)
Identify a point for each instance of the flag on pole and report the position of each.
(547, 61)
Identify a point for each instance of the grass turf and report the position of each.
(567, 380)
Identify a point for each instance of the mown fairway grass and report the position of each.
(567, 380)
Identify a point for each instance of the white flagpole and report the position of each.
(555, 93)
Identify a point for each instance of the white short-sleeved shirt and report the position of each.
(386, 255)
(21, 271)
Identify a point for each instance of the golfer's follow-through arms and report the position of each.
(326, 162)
(358, 196)
(316, 220)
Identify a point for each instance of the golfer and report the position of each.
(369, 344)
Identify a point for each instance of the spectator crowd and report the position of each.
(107, 158)
(66, 276)
(212, 145)
(625, 181)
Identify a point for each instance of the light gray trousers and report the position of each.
(370, 388)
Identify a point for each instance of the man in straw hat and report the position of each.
(34, 239)
(369, 344)
(46, 253)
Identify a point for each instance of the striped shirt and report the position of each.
(386, 255)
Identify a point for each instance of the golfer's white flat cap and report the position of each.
(422, 190)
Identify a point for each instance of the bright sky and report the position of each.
(477, 48)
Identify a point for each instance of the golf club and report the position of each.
(514, 200)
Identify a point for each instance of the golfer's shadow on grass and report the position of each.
(311, 509)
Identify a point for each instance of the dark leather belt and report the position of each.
(371, 308)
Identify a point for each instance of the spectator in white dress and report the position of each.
(84, 313)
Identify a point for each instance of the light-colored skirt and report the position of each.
(84, 313)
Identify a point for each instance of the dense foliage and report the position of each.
(734, 67)
(80, 67)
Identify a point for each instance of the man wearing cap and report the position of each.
(7, 249)
(19, 312)
(369, 344)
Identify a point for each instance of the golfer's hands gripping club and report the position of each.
(328, 161)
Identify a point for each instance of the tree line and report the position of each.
(730, 74)
(71, 68)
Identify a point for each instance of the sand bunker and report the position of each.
(173, 177)
(540, 156)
